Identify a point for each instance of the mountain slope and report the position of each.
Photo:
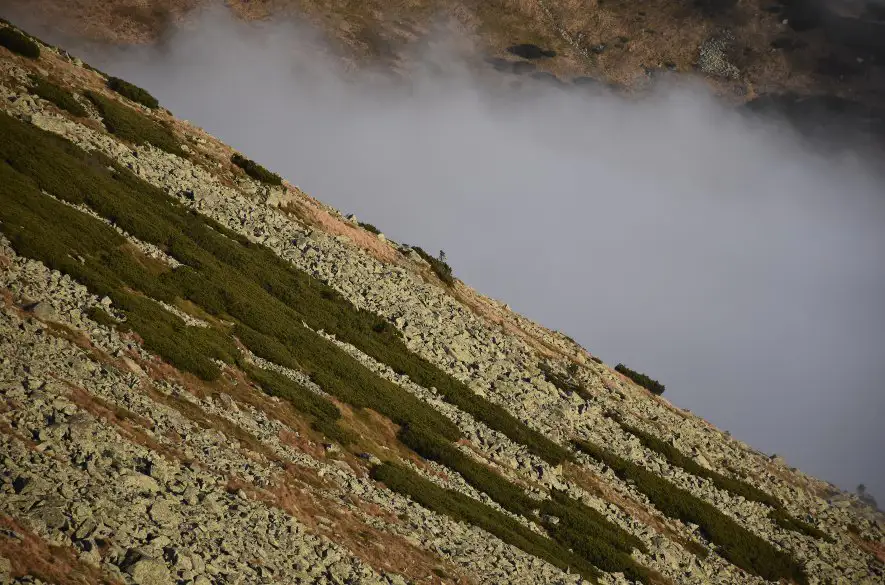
(212, 378)
(743, 49)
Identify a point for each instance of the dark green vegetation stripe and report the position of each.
(578, 527)
(313, 302)
(133, 126)
(19, 43)
(255, 170)
(729, 484)
(133, 92)
(649, 384)
(735, 543)
(675, 457)
(42, 87)
(216, 275)
(465, 509)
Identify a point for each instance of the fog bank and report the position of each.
(718, 254)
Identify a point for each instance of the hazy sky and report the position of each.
(719, 255)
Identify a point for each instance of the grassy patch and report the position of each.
(734, 542)
(652, 386)
(133, 92)
(42, 87)
(19, 43)
(255, 170)
(464, 509)
(133, 126)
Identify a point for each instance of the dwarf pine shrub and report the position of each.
(19, 43)
(43, 88)
(255, 170)
(649, 384)
(133, 92)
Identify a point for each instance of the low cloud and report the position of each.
(720, 254)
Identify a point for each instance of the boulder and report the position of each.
(150, 572)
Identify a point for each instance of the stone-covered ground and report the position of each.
(116, 467)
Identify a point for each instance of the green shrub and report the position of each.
(652, 386)
(134, 126)
(255, 170)
(787, 522)
(735, 543)
(589, 534)
(101, 317)
(369, 228)
(59, 96)
(133, 92)
(19, 43)
(442, 269)
(585, 520)
(465, 509)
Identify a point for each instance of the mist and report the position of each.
(724, 256)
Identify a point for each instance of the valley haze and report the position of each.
(726, 256)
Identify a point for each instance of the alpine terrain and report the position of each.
(210, 377)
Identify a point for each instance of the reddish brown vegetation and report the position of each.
(128, 424)
(31, 555)
(324, 516)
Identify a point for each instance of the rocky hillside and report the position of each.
(744, 49)
(210, 377)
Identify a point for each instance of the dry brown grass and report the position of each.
(310, 212)
(321, 515)
(876, 549)
(484, 308)
(32, 556)
(129, 425)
